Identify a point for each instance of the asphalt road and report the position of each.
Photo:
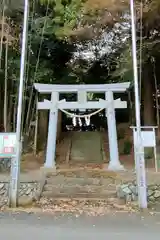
(112, 227)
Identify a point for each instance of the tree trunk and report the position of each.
(147, 92)
(14, 114)
(59, 126)
(42, 129)
(5, 114)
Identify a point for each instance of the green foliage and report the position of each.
(64, 16)
(12, 5)
(121, 133)
(148, 44)
(148, 153)
(48, 26)
(127, 147)
(124, 64)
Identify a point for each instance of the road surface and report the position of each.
(25, 226)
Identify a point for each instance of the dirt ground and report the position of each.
(30, 162)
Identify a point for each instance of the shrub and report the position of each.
(121, 134)
(127, 147)
(148, 153)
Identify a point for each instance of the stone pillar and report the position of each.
(114, 163)
(52, 132)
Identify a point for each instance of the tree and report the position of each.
(61, 30)
(148, 50)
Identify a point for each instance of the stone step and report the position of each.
(86, 146)
(82, 181)
(80, 188)
(81, 173)
(83, 186)
(50, 194)
(62, 149)
(105, 145)
(61, 187)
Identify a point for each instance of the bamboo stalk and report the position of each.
(2, 34)
(36, 129)
(6, 87)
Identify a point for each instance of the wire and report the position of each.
(140, 57)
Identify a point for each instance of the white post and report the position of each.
(134, 140)
(15, 168)
(141, 174)
(155, 152)
(52, 132)
(114, 163)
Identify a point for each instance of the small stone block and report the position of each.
(48, 171)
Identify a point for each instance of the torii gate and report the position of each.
(109, 104)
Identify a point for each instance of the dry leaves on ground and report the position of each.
(79, 207)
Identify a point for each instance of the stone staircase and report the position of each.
(86, 147)
(63, 148)
(94, 185)
(81, 185)
(82, 147)
(105, 146)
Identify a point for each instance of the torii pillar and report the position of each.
(114, 163)
(52, 132)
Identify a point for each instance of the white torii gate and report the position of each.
(109, 104)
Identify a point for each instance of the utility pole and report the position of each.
(140, 163)
(15, 166)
